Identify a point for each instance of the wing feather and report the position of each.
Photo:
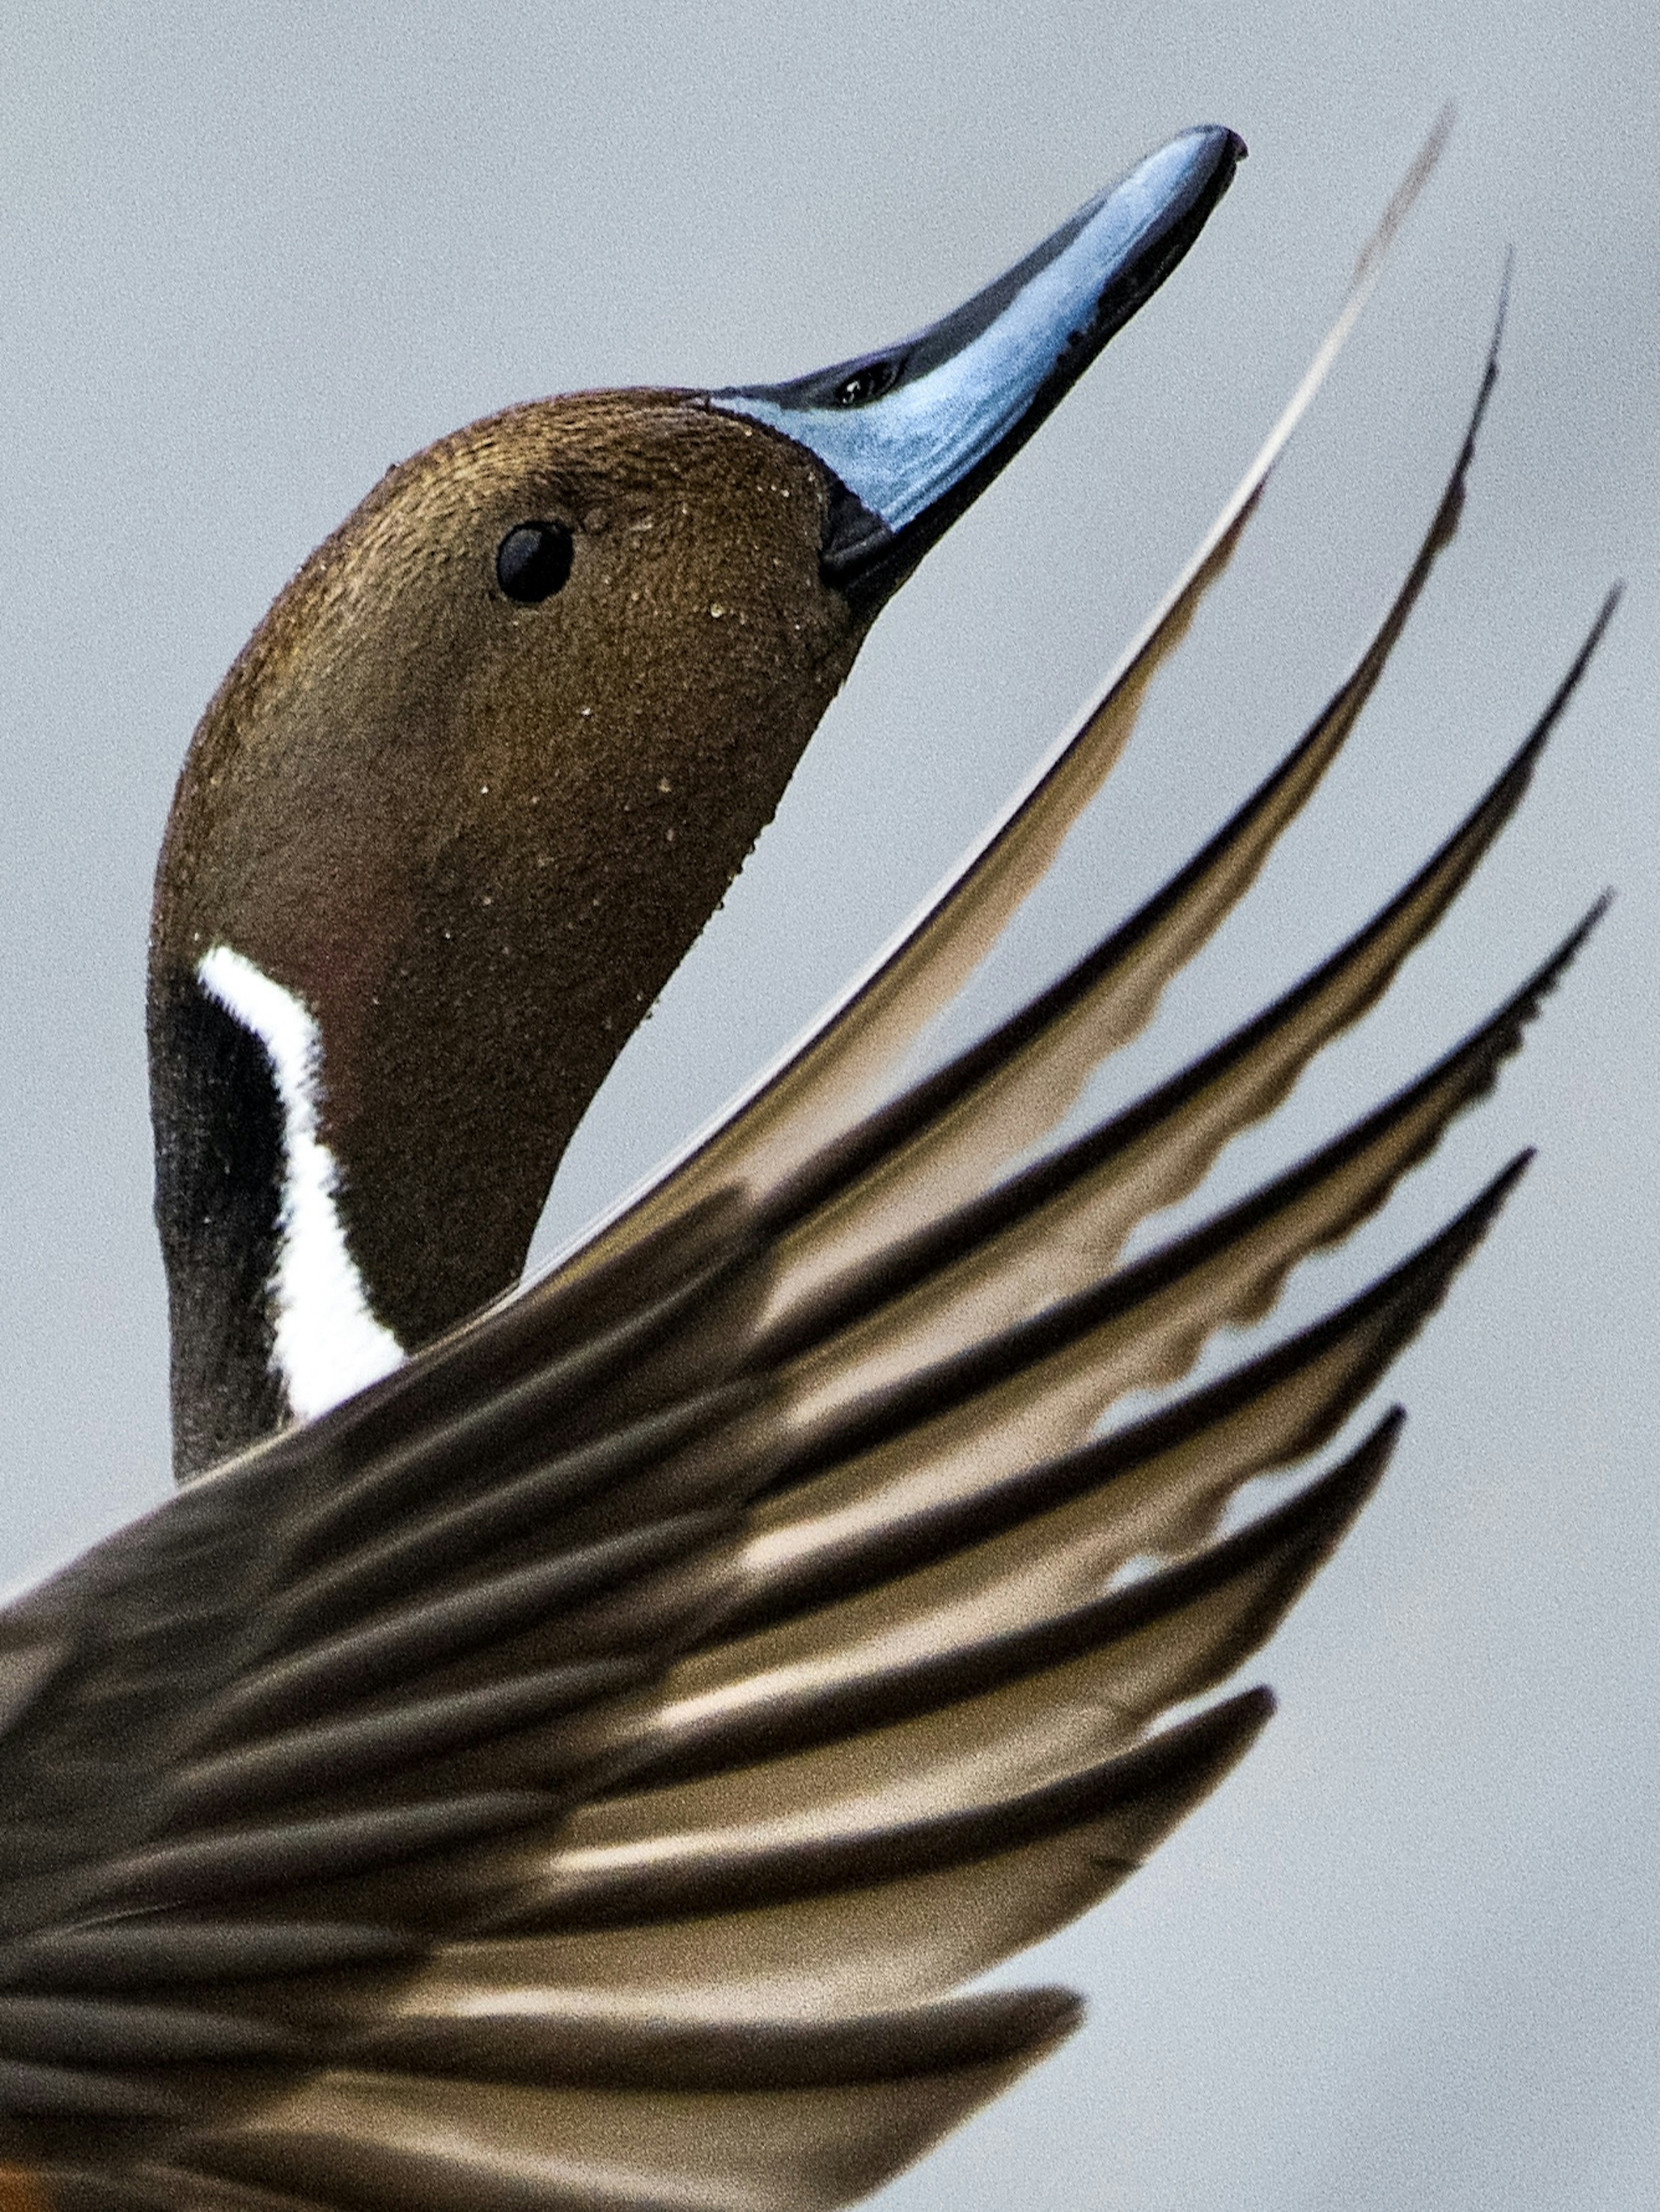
(381, 2142)
(1061, 1223)
(824, 1082)
(581, 1771)
(946, 1138)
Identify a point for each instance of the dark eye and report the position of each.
(865, 384)
(533, 560)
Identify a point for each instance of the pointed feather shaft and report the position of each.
(294, 1853)
(146, 2185)
(1131, 1792)
(382, 2142)
(1019, 1603)
(1145, 1326)
(282, 1769)
(1055, 1228)
(417, 1639)
(446, 1538)
(824, 1084)
(547, 2049)
(1036, 1390)
(149, 1953)
(1159, 1484)
(945, 1139)
(841, 1953)
(87, 2031)
(494, 1422)
(1046, 1707)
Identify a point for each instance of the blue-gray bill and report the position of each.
(586, 1764)
(912, 434)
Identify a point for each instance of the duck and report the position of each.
(570, 1743)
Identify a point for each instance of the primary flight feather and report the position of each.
(572, 1754)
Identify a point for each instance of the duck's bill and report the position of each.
(911, 435)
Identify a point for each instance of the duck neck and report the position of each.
(271, 1318)
(433, 857)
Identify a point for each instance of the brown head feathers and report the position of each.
(488, 767)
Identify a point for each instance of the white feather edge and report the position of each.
(328, 1340)
(1363, 280)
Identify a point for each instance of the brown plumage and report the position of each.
(477, 838)
(578, 1771)
(473, 833)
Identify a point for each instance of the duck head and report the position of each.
(487, 768)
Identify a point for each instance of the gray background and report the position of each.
(250, 257)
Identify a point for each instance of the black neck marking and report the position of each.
(219, 1180)
(271, 1317)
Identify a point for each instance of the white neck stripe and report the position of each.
(328, 1342)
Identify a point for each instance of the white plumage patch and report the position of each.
(328, 1340)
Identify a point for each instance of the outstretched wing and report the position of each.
(581, 1770)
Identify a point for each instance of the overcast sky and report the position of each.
(251, 256)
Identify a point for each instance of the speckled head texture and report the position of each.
(454, 831)
(436, 815)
